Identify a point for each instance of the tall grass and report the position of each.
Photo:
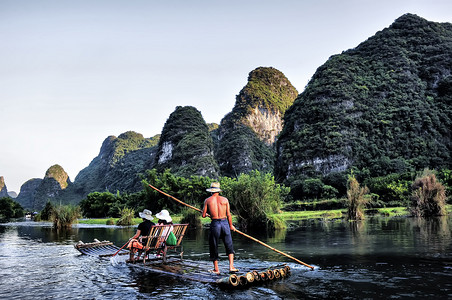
(356, 199)
(126, 218)
(64, 215)
(428, 196)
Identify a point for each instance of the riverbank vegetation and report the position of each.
(258, 201)
(10, 209)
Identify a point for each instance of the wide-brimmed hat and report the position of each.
(214, 187)
(164, 215)
(146, 214)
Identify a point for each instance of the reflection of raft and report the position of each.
(189, 269)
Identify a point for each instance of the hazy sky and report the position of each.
(73, 73)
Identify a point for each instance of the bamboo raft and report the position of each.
(188, 269)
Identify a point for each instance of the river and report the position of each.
(374, 259)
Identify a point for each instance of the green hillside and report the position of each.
(382, 107)
(185, 145)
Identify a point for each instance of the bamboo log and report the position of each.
(232, 280)
(242, 280)
(276, 273)
(282, 272)
(256, 276)
(249, 277)
(270, 274)
(264, 276)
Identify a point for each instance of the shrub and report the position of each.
(63, 216)
(356, 199)
(110, 221)
(428, 196)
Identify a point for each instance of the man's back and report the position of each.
(217, 206)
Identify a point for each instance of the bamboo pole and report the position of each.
(238, 231)
(120, 248)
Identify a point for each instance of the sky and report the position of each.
(73, 73)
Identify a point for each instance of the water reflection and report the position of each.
(434, 232)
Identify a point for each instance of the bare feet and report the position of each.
(213, 271)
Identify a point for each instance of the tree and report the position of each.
(10, 209)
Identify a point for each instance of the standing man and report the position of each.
(220, 227)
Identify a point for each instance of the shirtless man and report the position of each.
(218, 209)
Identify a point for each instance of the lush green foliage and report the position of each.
(10, 209)
(64, 215)
(101, 205)
(46, 213)
(392, 190)
(254, 197)
(312, 188)
(357, 199)
(428, 196)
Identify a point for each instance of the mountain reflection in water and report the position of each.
(376, 258)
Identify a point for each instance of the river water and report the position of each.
(378, 258)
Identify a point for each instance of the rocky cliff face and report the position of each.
(27, 193)
(246, 136)
(3, 189)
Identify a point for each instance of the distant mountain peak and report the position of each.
(57, 172)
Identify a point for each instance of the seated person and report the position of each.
(144, 228)
(164, 219)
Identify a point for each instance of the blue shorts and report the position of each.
(219, 229)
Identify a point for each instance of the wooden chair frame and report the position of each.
(156, 240)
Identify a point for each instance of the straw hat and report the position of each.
(214, 187)
(146, 214)
(164, 215)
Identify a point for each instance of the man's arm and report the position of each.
(229, 216)
(204, 211)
